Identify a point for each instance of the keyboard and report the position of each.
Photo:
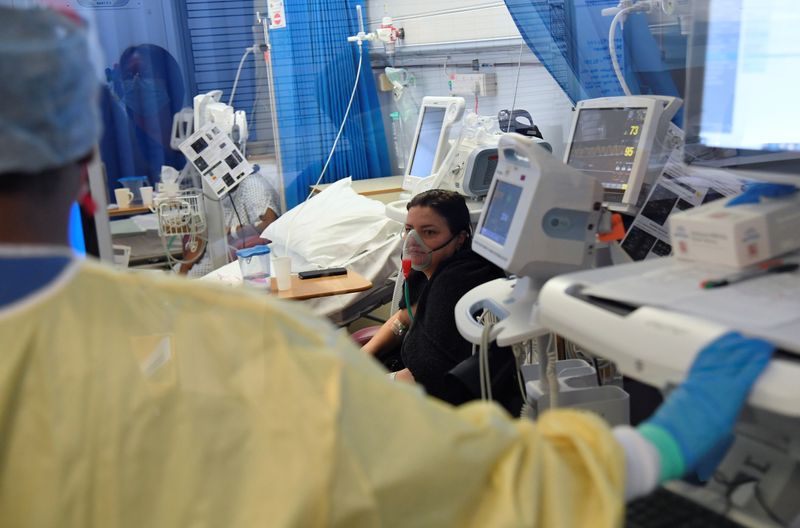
(663, 508)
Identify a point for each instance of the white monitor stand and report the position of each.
(633, 315)
(429, 148)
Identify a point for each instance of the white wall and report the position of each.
(446, 39)
(448, 21)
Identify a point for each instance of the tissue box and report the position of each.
(737, 236)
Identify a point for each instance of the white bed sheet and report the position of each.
(337, 228)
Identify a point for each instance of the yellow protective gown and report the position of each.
(128, 401)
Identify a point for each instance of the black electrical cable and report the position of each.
(239, 218)
(761, 502)
(596, 364)
(732, 485)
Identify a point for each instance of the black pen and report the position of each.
(750, 274)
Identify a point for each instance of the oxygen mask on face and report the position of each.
(416, 251)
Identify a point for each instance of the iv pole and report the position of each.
(264, 21)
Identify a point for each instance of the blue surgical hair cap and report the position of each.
(48, 91)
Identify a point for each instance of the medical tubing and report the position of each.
(547, 370)
(516, 88)
(167, 246)
(481, 353)
(488, 320)
(408, 301)
(480, 360)
(333, 148)
(344, 120)
(402, 276)
(544, 360)
(732, 485)
(486, 370)
(247, 52)
(360, 19)
(552, 377)
(519, 358)
(397, 293)
(612, 48)
(238, 218)
(236, 211)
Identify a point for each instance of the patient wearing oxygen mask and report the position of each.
(420, 342)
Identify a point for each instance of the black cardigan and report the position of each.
(433, 347)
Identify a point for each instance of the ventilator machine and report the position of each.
(652, 317)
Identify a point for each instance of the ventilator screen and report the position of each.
(502, 207)
(425, 150)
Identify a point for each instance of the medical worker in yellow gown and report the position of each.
(132, 401)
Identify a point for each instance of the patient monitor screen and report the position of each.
(605, 144)
(427, 141)
(501, 212)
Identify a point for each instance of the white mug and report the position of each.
(124, 197)
(147, 195)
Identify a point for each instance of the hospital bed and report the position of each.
(336, 228)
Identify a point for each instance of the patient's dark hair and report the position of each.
(450, 205)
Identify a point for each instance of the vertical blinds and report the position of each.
(219, 33)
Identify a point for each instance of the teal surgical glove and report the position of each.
(701, 412)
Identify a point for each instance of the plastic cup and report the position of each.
(282, 267)
(254, 263)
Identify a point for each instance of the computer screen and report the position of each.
(750, 74)
(605, 142)
(424, 152)
(501, 211)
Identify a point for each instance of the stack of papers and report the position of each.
(768, 306)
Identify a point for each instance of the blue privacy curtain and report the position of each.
(314, 70)
(570, 37)
(144, 89)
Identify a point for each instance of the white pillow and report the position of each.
(332, 227)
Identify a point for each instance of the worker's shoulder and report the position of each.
(145, 296)
(158, 283)
(181, 291)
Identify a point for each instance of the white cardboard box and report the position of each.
(737, 236)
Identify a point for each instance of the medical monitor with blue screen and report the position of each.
(605, 144)
(750, 75)
(501, 212)
(424, 153)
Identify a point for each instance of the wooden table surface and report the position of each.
(322, 286)
(130, 210)
(371, 186)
